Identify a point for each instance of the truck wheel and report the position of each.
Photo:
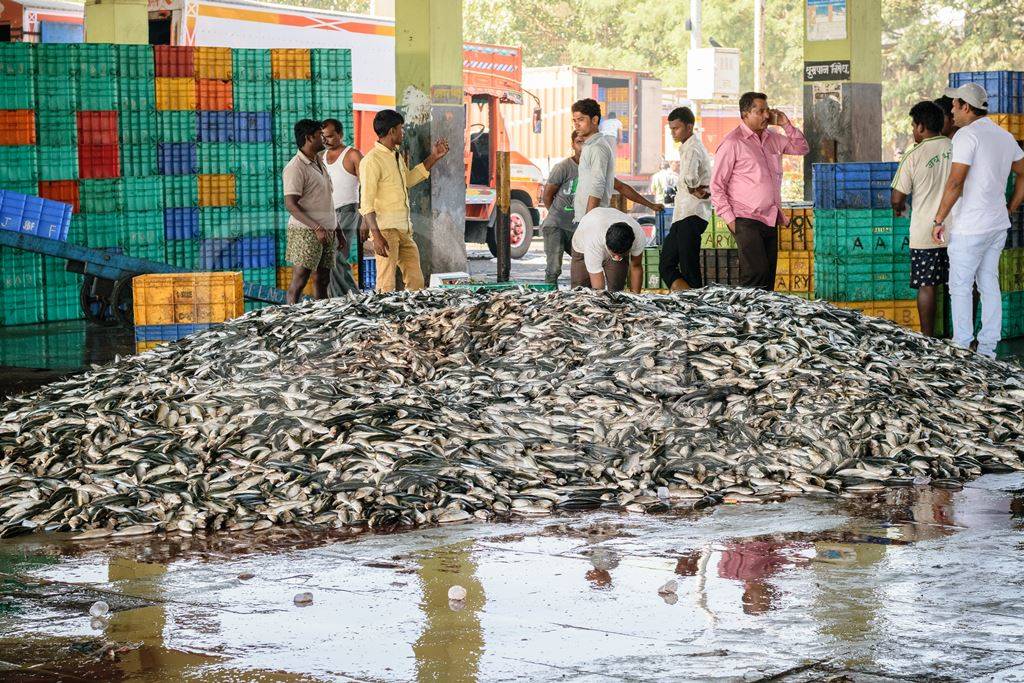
(521, 228)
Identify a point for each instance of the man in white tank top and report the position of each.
(342, 164)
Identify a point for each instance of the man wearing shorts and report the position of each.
(312, 223)
(923, 173)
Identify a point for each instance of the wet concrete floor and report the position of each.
(916, 584)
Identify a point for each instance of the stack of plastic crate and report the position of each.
(794, 273)
(720, 259)
(169, 307)
(861, 250)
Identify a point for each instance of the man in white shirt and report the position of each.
(612, 127)
(680, 254)
(923, 173)
(603, 242)
(983, 155)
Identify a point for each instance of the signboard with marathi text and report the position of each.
(835, 70)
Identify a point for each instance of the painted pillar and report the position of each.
(117, 21)
(842, 82)
(428, 70)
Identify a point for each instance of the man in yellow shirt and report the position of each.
(384, 182)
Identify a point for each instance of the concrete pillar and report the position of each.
(117, 21)
(428, 70)
(842, 83)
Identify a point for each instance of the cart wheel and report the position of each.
(95, 308)
(121, 302)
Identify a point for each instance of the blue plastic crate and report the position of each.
(177, 158)
(1005, 89)
(258, 252)
(145, 333)
(218, 253)
(181, 223)
(246, 253)
(34, 215)
(216, 126)
(368, 273)
(253, 127)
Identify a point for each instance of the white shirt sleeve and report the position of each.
(965, 143)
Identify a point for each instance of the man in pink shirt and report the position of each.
(746, 187)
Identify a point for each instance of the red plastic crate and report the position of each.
(97, 127)
(173, 61)
(213, 95)
(99, 161)
(60, 191)
(17, 127)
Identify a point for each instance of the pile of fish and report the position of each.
(443, 406)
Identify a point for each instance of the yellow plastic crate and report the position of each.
(290, 63)
(217, 190)
(213, 63)
(799, 234)
(143, 346)
(284, 280)
(175, 94)
(902, 312)
(655, 291)
(187, 298)
(1012, 123)
(788, 283)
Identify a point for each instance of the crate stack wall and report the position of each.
(794, 273)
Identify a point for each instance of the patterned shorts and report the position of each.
(305, 250)
(928, 267)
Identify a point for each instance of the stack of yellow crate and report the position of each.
(901, 312)
(170, 306)
(795, 270)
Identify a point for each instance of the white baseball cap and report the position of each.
(971, 93)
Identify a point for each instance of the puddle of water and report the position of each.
(842, 585)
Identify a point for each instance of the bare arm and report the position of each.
(1018, 186)
(380, 245)
(636, 273)
(952, 192)
(898, 202)
(592, 203)
(596, 280)
(550, 190)
(351, 161)
(291, 202)
(632, 195)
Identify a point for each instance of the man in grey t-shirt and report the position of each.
(597, 160)
(557, 227)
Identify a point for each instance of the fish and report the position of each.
(389, 411)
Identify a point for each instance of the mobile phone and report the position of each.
(773, 117)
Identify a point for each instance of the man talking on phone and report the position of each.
(746, 187)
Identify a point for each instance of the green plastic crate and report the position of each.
(29, 187)
(138, 160)
(58, 162)
(282, 155)
(20, 269)
(252, 95)
(57, 59)
(217, 157)
(101, 195)
(76, 233)
(180, 191)
(136, 94)
(22, 307)
(17, 59)
(144, 193)
(218, 222)
(103, 230)
(876, 279)
(135, 61)
(138, 127)
(97, 60)
(250, 65)
(254, 222)
(61, 290)
(256, 190)
(293, 97)
(253, 157)
(176, 126)
(251, 306)
(56, 128)
(331, 64)
(861, 233)
(499, 286)
(652, 274)
(260, 276)
(18, 163)
(17, 92)
(283, 130)
(334, 100)
(143, 235)
(57, 93)
(97, 94)
(183, 253)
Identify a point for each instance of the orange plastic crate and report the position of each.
(213, 62)
(217, 190)
(175, 94)
(60, 191)
(214, 95)
(17, 127)
(187, 298)
(290, 63)
(143, 346)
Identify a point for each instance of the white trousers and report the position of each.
(975, 259)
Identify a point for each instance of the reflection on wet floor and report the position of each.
(803, 590)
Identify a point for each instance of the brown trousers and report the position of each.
(758, 244)
(615, 272)
(402, 254)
